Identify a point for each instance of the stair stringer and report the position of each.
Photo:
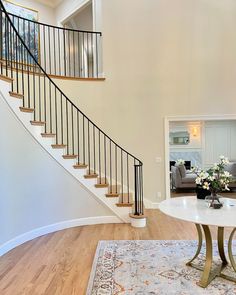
(35, 131)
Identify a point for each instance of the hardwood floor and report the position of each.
(60, 263)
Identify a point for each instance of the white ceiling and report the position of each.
(50, 3)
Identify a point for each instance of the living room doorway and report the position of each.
(196, 142)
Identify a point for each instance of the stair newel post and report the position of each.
(135, 189)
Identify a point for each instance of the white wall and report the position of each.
(67, 8)
(35, 190)
(161, 58)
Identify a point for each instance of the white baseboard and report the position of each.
(35, 233)
(150, 205)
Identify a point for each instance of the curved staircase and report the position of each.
(112, 174)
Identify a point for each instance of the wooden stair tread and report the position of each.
(16, 95)
(137, 216)
(37, 123)
(101, 185)
(91, 175)
(80, 166)
(48, 134)
(124, 204)
(112, 195)
(68, 157)
(58, 146)
(6, 78)
(26, 110)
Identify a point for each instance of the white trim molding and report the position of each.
(38, 232)
(150, 205)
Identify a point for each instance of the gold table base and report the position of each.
(210, 274)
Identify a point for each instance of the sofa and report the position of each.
(231, 168)
(181, 178)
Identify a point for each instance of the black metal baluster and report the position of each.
(74, 51)
(122, 181)
(2, 40)
(127, 162)
(78, 128)
(116, 167)
(67, 128)
(57, 133)
(83, 142)
(99, 156)
(79, 66)
(11, 52)
(49, 51)
(59, 51)
(97, 54)
(87, 55)
(64, 43)
(94, 150)
(45, 53)
(62, 122)
(105, 158)
(72, 130)
(111, 190)
(68, 33)
(54, 46)
(89, 147)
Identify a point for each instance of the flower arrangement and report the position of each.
(180, 162)
(215, 179)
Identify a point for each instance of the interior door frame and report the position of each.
(167, 120)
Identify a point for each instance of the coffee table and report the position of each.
(193, 210)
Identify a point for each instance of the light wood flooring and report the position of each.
(60, 263)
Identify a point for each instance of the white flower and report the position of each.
(206, 185)
(227, 174)
(211, 178)
(224, 160)
(198, 180)
(227, 188)
(180, 162)
(215, 167)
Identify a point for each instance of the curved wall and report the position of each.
(37, 195)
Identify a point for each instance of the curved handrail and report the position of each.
(52, 26)
(54, 84)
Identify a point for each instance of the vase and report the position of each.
(202, 193)
(213, 201)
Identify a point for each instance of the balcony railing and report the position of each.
(61, 52)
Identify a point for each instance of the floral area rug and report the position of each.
(152, 268)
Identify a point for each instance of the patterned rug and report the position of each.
(151, 268)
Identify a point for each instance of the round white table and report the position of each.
(194, 210)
